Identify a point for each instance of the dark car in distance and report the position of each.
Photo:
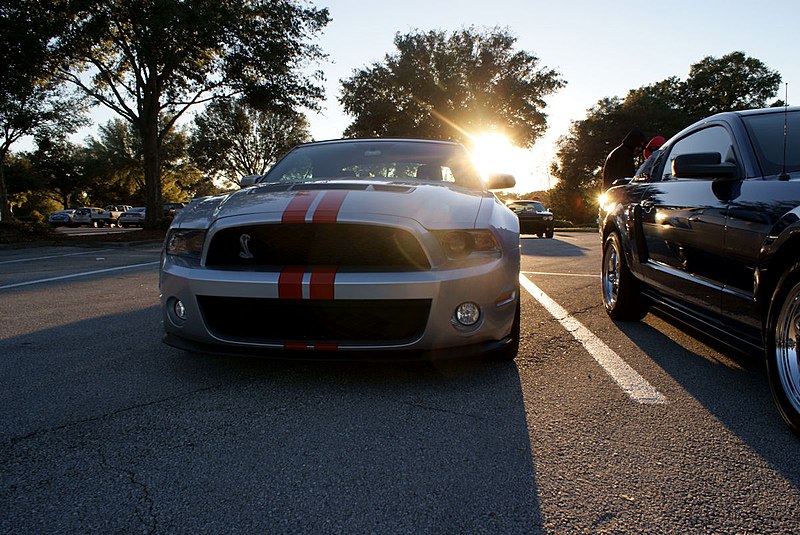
(534, 218)
(712, 234)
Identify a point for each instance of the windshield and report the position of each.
(382, 160)
(532, 206)
(766, 133)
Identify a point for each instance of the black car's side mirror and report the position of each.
(703, 165)
(247, 181)
(500, 181)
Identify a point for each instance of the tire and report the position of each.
(622, 292)
(548, 234)
(782, 354)
(509, 352)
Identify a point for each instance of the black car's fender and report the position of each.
(614, 216)
(781, 249)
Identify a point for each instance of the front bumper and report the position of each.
(493, 286)
(535, 225)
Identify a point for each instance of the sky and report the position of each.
(602, 49)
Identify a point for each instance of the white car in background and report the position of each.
(91, 217)
(62, 218)
(133, 217)
(374, 247)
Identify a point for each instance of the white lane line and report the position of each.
(75, 275)
(594, 276)
(52, 256)
(633, 384)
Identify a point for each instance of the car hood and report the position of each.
(433, 206)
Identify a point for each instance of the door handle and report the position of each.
(647, 205)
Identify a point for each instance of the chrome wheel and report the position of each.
(611, 268)
(787, 363)
(622, 291)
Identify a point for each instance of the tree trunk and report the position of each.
(152, 178)
(151, 149)
(5, 209)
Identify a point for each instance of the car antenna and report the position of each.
(784, 175)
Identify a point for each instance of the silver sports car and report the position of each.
(371, 248)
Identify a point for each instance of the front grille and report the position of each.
(362, 247)
(343, 321)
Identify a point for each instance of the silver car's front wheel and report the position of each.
(783, 362)
(622, 296)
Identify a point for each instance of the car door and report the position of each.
(683, 225)
(762, 201)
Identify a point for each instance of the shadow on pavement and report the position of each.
(106, 429)
(737, 395)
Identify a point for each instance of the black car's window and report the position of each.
(766, 133)
(712, 139)
(527, 207)
(403, 160)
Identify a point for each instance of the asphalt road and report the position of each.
(597, 427)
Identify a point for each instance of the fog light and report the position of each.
(468, 314)
(180, 310)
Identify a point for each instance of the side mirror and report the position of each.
(703, 165)
(248, 181)
(500, 181)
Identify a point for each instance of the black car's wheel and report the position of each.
(509, 352)
(782, 337)
(549, 233)
(622, 293)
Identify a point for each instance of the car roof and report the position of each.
(758, 111)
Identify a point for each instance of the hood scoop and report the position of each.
(345, 186)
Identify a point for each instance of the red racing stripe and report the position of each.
(297, 346)
(328, 208)
(290, 282)
(322, 283)
(298, 207)
(325, 346)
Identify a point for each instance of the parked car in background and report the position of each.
(91, 217)
(133, 217)
(712, 235)
(62, 218)
(116, 210)
(368, 248)
(534, 218)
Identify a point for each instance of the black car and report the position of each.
(534, 218)
(712, 234)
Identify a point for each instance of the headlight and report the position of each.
(459, 244)
(548, 218)
(188, 243)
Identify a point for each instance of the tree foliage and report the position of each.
(31, 100)
(152, 60)
(448, 86)
(732, 82)
(114, 162)
(231, 139)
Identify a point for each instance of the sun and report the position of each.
(492, 152)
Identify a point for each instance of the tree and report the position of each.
(732, 82)
(664, 108)
(231, 139)
(150, 61)
(31, 100)
(449, 86)
(59, 170)
(113, 162)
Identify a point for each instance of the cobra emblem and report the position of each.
(244, 241)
